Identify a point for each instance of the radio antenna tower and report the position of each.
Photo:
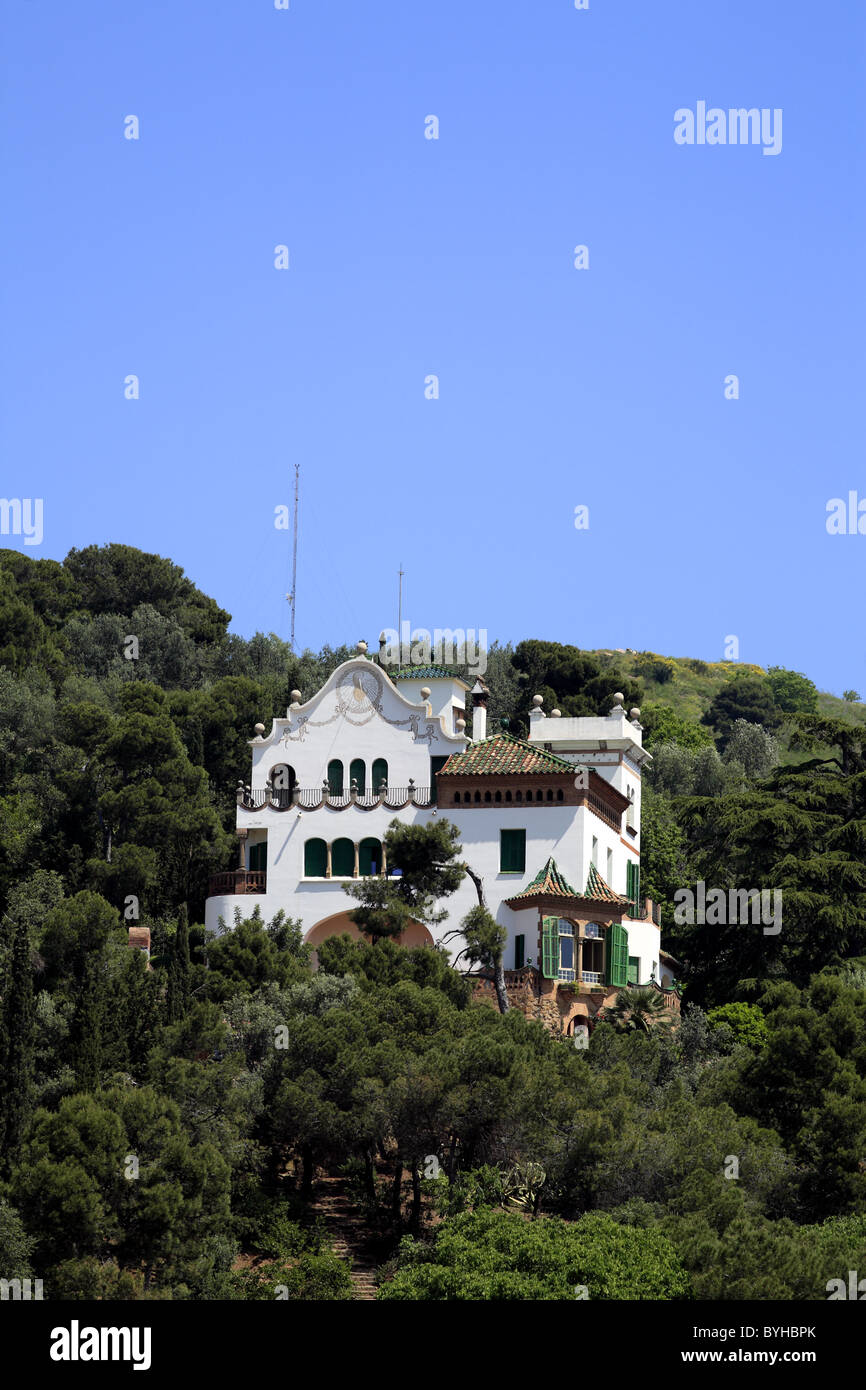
(400, 573)
(292, 596)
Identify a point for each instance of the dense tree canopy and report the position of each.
(166, 1125)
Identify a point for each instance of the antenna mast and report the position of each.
(294, 560)
(400, 572)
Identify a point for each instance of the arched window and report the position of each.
(487, 796)
(335, 777)
(369, 857)
(498, 796)
(315, 859)
(342, 859)
(477, 796)
(380, 775)
(358, 773)
(518, 796)
(283, 780)
(456, 798)
(549, 794)
(559, 794)
(508, 796)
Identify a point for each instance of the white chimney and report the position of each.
(480, 696)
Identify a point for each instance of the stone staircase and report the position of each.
(333, 1208)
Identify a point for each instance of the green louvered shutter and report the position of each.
(512, 851)
(380, 774)
(335, 777)
(632, 886)
(617, 955)
(315, 859)
(436, 765)
(550, 948)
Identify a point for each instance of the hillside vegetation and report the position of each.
(171, 1129)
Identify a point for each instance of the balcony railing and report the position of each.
(603, 811)
(237, 881)
(311, 798)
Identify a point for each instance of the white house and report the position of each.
(551, 824)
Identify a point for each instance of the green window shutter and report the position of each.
(617, 955)
(335, 777)
(259, 856)
(369, 857)
(380, 775)
(342, 859)
(436, 765)
(632, 886)
(358, 773)
(315, 859)
(633, 965)
(519, 952)
(550, 948)
(512, 851)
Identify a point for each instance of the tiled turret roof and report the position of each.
(503, 753)
(550, 882)
(597, 888)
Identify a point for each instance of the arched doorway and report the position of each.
(283, 781)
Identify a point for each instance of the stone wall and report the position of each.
(556, 1003)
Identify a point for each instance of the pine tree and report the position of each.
(17, 1043)
(86, 1033)
(177, 996)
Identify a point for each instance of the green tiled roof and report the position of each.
(503, 753)
(597, 888)
(421, 673)
(550, 882)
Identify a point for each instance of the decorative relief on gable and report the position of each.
(359, 700)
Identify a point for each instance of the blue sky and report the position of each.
(409, 257)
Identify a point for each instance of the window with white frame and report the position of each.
(567, 951)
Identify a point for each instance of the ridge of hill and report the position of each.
(689, 685)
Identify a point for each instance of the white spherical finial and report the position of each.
(296, 697)
(461, 725)
(538, 701)
(634, 713)
(556, 714)
(618, 697)
(259, 728)
(362, 646)
(425, 692)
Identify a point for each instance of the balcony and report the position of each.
(236, 881)
(311, 798)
